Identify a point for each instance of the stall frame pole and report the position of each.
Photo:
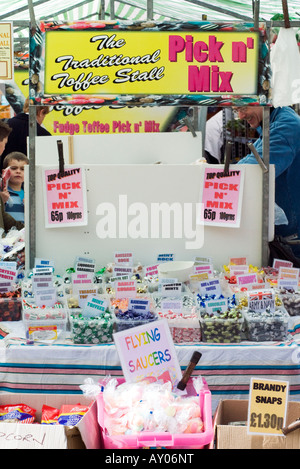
(32, 201)
(266, 187)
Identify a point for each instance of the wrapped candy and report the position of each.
(150, 406)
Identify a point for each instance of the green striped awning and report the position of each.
(136, 10)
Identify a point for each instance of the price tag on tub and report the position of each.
(288, 283)
(41, 282)
(198, 277)
(6, 286)
(260, 300)
(151, 270)
(203, 260)
(11, 264)
(40, 263)
(288, 278)
(94, 306)
(246, 279)
(167, 280)
(171, 305)
(200, 268)
(210, 287)
(42, 271)
(253, 286)
(165, 258)
(238, 260)
(83, 294)
(125, 289)
(46, 297)
(216, 306)
(118, 271)
(139, 305)
(238, 269)
(288, 272)
(7, 274)
(171, 289)
(85, 267)
(78, 279)
(81, 281)
(112, 280)
(123, 258)
(85, 260)
(277, 263)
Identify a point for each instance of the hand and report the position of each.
(21, 258)
(4, 195)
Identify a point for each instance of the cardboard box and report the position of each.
(85, 435)
(236, 436)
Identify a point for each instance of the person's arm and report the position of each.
(281, 152)
(5, 195)
(8, 221)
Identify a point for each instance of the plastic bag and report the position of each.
(150, 406)
(280, 216)
(285, 66)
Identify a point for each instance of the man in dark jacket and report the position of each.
(285, 155)
(17, 140)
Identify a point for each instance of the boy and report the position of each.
(15, 162)
(6, 220)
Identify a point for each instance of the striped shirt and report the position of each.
(15, 204)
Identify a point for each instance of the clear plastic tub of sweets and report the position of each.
(221, 328)
(266, 326)
(91, 330)
(184, 326)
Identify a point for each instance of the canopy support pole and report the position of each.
(32, 201)
(266, 186)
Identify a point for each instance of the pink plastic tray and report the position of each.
(164, 439)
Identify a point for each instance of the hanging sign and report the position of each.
(267, 406)
(221, 197)
(6, 51)
(65, 198)
(148, 350)
(96, 119)
(124, 62)
(158, 64)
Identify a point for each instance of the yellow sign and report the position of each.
(105, 120)
(6, 51)
(130, 62)
(267, 406)
(98, 119)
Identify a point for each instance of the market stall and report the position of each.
(58, 344)
(161, 173)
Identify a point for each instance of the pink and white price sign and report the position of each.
(65, 197)
(222, 197)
